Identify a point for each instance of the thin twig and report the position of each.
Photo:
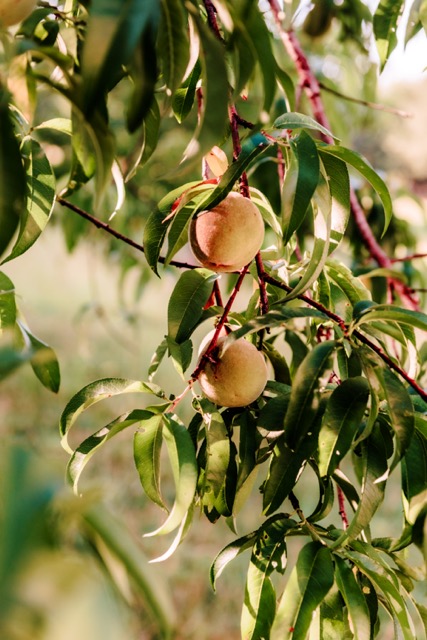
(367, 103)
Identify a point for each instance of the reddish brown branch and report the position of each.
(341, 507)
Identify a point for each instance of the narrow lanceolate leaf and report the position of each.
(182, 458)
(390, 313)
(268, 555)
(215, 90)
(40, 198)
(308, 584)
(181, 353)
(43, 361)
(173, 43)
(414, 474)
(183, 98)
(114, 31)
(357, 608)
(217, 458)
(186, 303)
(300, 183)
(95, 392)
(88, 447)
(157, 225)
(228, 554)
(149, 139)
(386, 18)
(375, 474)
(341, 420)
(300, 121)
(370, 562)
(336, 173)
(360, 164)
(7, 303)
(260, 37)
(12, 177)
(400, 409)
(304, 401)
(251, 149)
(146, 452)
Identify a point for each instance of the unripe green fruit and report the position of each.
(237, 377)
(14, 11)
(227, 237)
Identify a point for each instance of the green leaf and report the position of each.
(157, 358)
(338, 180)
(352, 286)
(268, 555)
(354, 599)
(228, 553)
(385, 22)
(43, 361)
(182, 457)
(300, 121)
(369, 562)
(181, 354)
(146, 452)
(88, 447)
(257, 30)
(12, 177)
(391, 313)
(173, 43)
(149, 139)
(143, 72)
(183, 98)
(360, 164)
(7, 303)
(300, 183)
(414, 475)
(40, 198)
(187, 300)
(63, 125)
(341, 420)
(11, 359)
(304, 401)
(157, 226)
(113, 33)
(375, 474)
(95, 392)
(308, 584)
(214, 112)
(217, 458)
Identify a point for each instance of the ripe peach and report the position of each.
(236, 377)
(14, 11)
(227, 237)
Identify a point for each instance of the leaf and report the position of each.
(182, 457)
(156, 227)
(255, 26)
(391, 313)
(369, 562)
(149, 139)
(12, 177)
(360, 164)
(354, 599)
(300, 121)
(183, 98)
(88, 447)
(40, 198)
(7, 303)
(143, 72)
(228, 553)
(95, 392)
(217, 458)
(214, 112)
(304, 401)
(414, 476)
(11, 359)
(187, 300)
(251, 149)
(157, 358)
(63, 125)
(308, 584)
(181, 354)
(43, 361)
(352, 286)
(268, 555)
(341, 420)
(173, 44)
(375, 474)
(338, 180)
(300, 183)
(385, 26)
(147, 444)
(113, 33)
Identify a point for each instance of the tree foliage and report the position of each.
(160, 110)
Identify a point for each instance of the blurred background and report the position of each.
(77, 567)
